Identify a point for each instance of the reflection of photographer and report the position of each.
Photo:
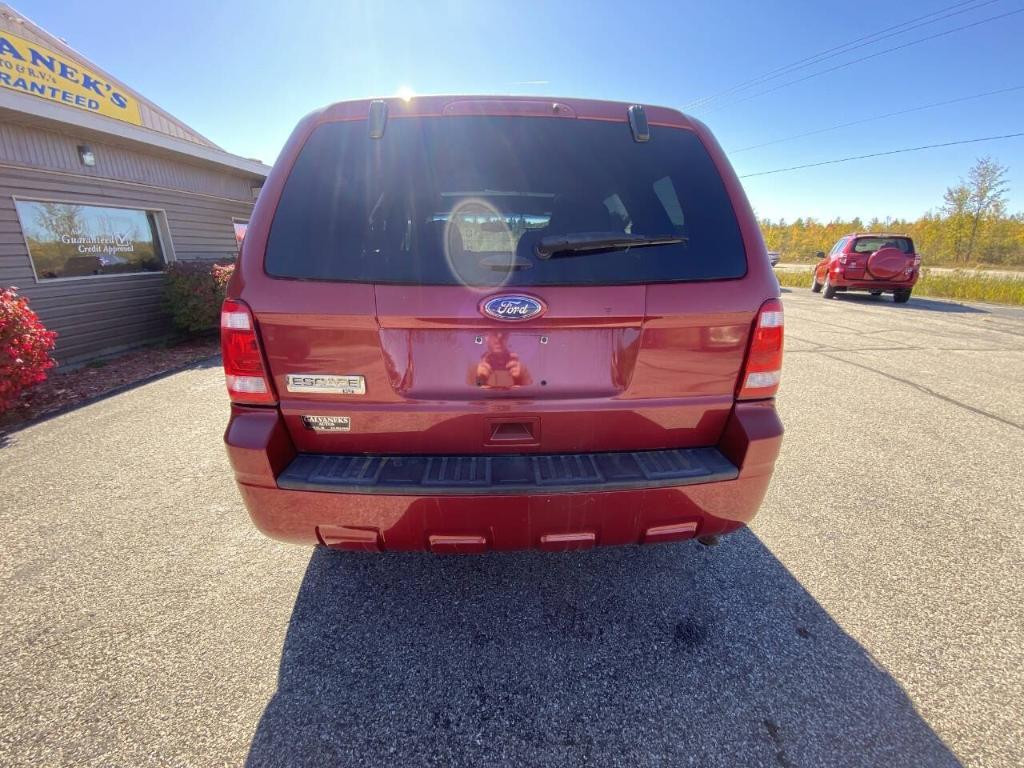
(499, 366)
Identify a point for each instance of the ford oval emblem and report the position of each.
(513, 307)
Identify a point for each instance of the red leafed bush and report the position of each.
(194, 293)
(25, 347)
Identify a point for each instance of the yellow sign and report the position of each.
(32, 69)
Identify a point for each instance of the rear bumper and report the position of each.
(454, 518)
(837, 279)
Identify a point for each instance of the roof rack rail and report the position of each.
(378, 118)
(638, 123)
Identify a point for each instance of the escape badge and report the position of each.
(326, 384)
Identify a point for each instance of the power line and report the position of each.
(838, 50)
(881, 154)
(869, 39)
(871, 56)
(877, 117)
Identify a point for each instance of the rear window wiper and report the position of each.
(585, 242)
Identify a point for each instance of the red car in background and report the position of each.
(472, 323)
(877, 263)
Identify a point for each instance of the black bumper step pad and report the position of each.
(505, 475)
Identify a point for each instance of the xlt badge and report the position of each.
(326, 383)
(327, 423)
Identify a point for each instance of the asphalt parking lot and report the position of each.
(872, 616)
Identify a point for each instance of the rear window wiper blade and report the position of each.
(585, 242)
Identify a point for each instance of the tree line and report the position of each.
(972, 227)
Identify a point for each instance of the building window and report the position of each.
(76, 240)
(240, 226)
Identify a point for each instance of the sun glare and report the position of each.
(405, 93)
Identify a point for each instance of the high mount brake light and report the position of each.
(244, 370)
(763, 368)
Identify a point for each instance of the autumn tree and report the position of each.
(975, 201)
(956, 206)
(973, 225)
(988, 185)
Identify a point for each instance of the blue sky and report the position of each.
(244, 73)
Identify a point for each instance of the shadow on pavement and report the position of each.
(947, 306)
(667, 655)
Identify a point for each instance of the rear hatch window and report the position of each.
(478, 201)
(872, 244)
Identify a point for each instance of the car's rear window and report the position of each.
(450, 200)
(872, 244)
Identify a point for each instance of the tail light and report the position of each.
(851, 265)
(763, 369)
(244, 370)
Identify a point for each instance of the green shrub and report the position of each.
(194, 293)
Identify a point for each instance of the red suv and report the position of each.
(878, 263)
(472, 323)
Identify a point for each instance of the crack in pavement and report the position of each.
(821, 349)
(929, 391)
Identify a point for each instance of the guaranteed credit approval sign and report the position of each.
(38, 71)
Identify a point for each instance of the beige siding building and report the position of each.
(99, 190)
